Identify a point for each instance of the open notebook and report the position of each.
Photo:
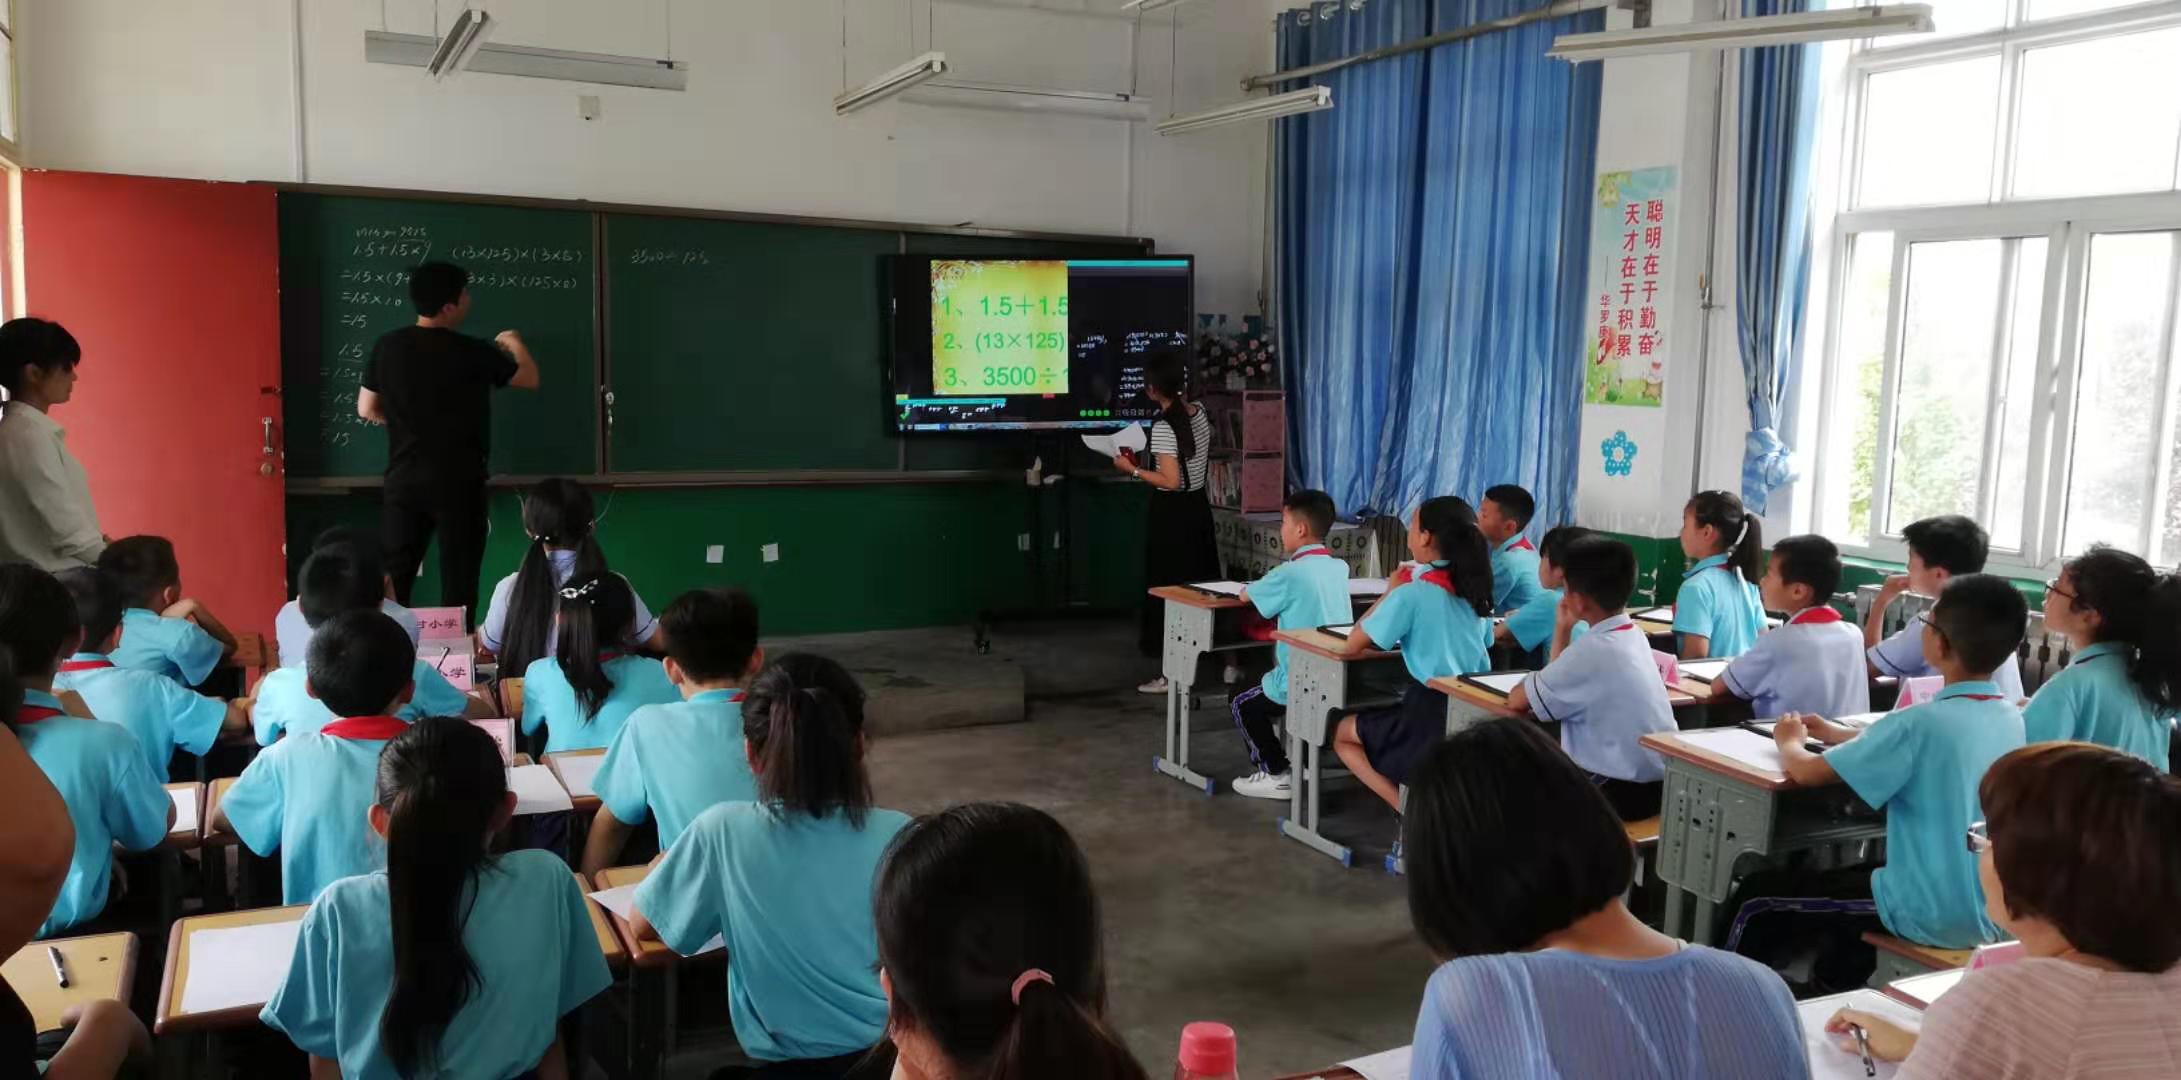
(1703, 671)
(1500, 683)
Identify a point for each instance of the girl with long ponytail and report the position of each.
(452, 961)
(1720, 610)
(787, 880)
(585, 691)
(993, 960)
(520, 624)
(2123, 687)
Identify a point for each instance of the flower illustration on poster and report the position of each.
(1620, 454)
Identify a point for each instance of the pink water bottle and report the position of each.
(1207, 1053)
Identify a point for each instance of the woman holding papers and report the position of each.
(1178, 543)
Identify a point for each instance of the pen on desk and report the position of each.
(1863, 1047)
(60, 968)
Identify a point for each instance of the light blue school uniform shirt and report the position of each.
(1716, 604)
(284, 704)
(1514, 575)
(1438, 633)
(527, 931)
(176, 648)
(677, 761)
(111, 797)
(493, 630)
(308, 797)
(1531, 624)
(164, 715)
(2094, 700)
(548, 700)
(1810, 664)
(1606, 694)
(1922, 765)
(1700, 1014)
(792, 895)
(1309, 590)
(1902, 656)
(292, 631)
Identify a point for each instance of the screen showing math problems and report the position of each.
(1007, 344)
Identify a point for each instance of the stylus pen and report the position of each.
(60, 967)
(1863, 1047)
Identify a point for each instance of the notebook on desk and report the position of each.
(1656, 614)
(1339, 630)
(1764, 728)
(1226, 590)
(1497, 683)
(1703, 671)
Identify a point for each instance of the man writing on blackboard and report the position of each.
(432, 387)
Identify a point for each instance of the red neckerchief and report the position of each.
(86, 665)
(366, 728)
(31, 714)
(608, 657)
(735, 697)
(1433, 575)
(1621, 627)
(1313, 551)
(1975, 697)
(1814, 617)
(1522, 544)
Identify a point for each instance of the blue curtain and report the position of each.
(1432, 244)
(1772, 242)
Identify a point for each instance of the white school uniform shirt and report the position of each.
(46, 516)
(1812, 663)
(1606, 694)
(493, 630)
(1902, 656)
(292, 630)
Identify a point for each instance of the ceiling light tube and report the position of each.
(1310, 99)
(923, 69)
(463, 39)
(1142, 7)
(1877, 20)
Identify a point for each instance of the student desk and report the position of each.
(187, 835)
(1323, 685)
(251, 869)
(100, 967)
(653, 972)
(581, 794)
(1197, 622)
(1467, 703)
(1718, 809)
(182, 1035)
(1900, 959)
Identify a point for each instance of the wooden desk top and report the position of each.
(643, 954)
(1320, 643)
(190, 837)
(224, 836)
(167, 1018)
(1673, 745)
(1196, 598)
(1491, 702)
(584, 804)
(101, 967)
(609, 941)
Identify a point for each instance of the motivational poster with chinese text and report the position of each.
(1631, 257)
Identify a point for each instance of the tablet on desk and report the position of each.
(1497, 683)
(1703, 671)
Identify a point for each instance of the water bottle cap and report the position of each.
(1207, 1049)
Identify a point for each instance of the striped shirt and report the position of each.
(2045, 1019)
(1163, 446)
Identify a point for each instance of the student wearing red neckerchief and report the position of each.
(164, 715)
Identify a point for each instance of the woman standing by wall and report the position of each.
(1178, 544)
(46, 517)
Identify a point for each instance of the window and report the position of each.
(2004, 333)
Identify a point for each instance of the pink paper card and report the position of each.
(1669, 667)
(502, 732)
(440, 623)
(1918, 690)
(454, 660)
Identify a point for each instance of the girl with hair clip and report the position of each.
(452, 961)
(584, 692)
(786, 880)
(1720, 610)
(990, 951)
(1438, 612)
(2123, 687)
(519, 624)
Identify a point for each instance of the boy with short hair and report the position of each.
(1813, 663)
(1940, 549)
(1604, 690)
(1309, 590)
(291, 631)
(678, 760)
(1530, 626)
(162, 631)
(337, 580)
(306, 797)
(1504, 513)
(164, 715)
(97, 767)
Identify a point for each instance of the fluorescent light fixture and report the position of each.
(460, 46)
(1311, 99)
(961, 94)
(1877, 20)
(563, 65)
(1143, 6)
(923, 69)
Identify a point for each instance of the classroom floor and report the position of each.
(1210, 913)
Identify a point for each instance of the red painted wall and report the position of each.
(172, 287)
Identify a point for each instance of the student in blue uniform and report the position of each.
(1719, 611)
(164, 715)
(292, 630)
(336, 580)
(163, 631)
(1505, 512)
(520, 624)
(1604, 691)
(112, 796)
(453, 961)
(1814, 662)
(1529, 627)
(993, 961)
(788, 879)
(305, 796)
(1921, 765)
(584, 693)
(1309, 590)
(1939, 550)
(1438, 613)
(680, 759)
(2123, 688)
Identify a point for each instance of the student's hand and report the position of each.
(1895, 585)
(1790, 731)
(1502, 635)
(184, 608)
(1564, 617)
(1888, 1041)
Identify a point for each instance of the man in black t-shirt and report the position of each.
(432, 388)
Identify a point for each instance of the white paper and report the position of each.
(1747, 747)
(1366, 586)
(621, 900)
(239, 965)
(1504, 682)
(1391, 1065)
(1827, 1060)
(1340, 630)
(1928, 988)
(1129, 438)
(1657, 614)
(1223, 588)
(536, 790)
(580, 773)
(1703, 670)
(185, 810)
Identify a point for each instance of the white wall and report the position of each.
(206, 89)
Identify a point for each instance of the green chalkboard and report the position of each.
(344, 265)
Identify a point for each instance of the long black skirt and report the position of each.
(1179, 548)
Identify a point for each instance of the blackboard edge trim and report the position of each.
(337, 485)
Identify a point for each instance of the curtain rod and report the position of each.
(1554, 10)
